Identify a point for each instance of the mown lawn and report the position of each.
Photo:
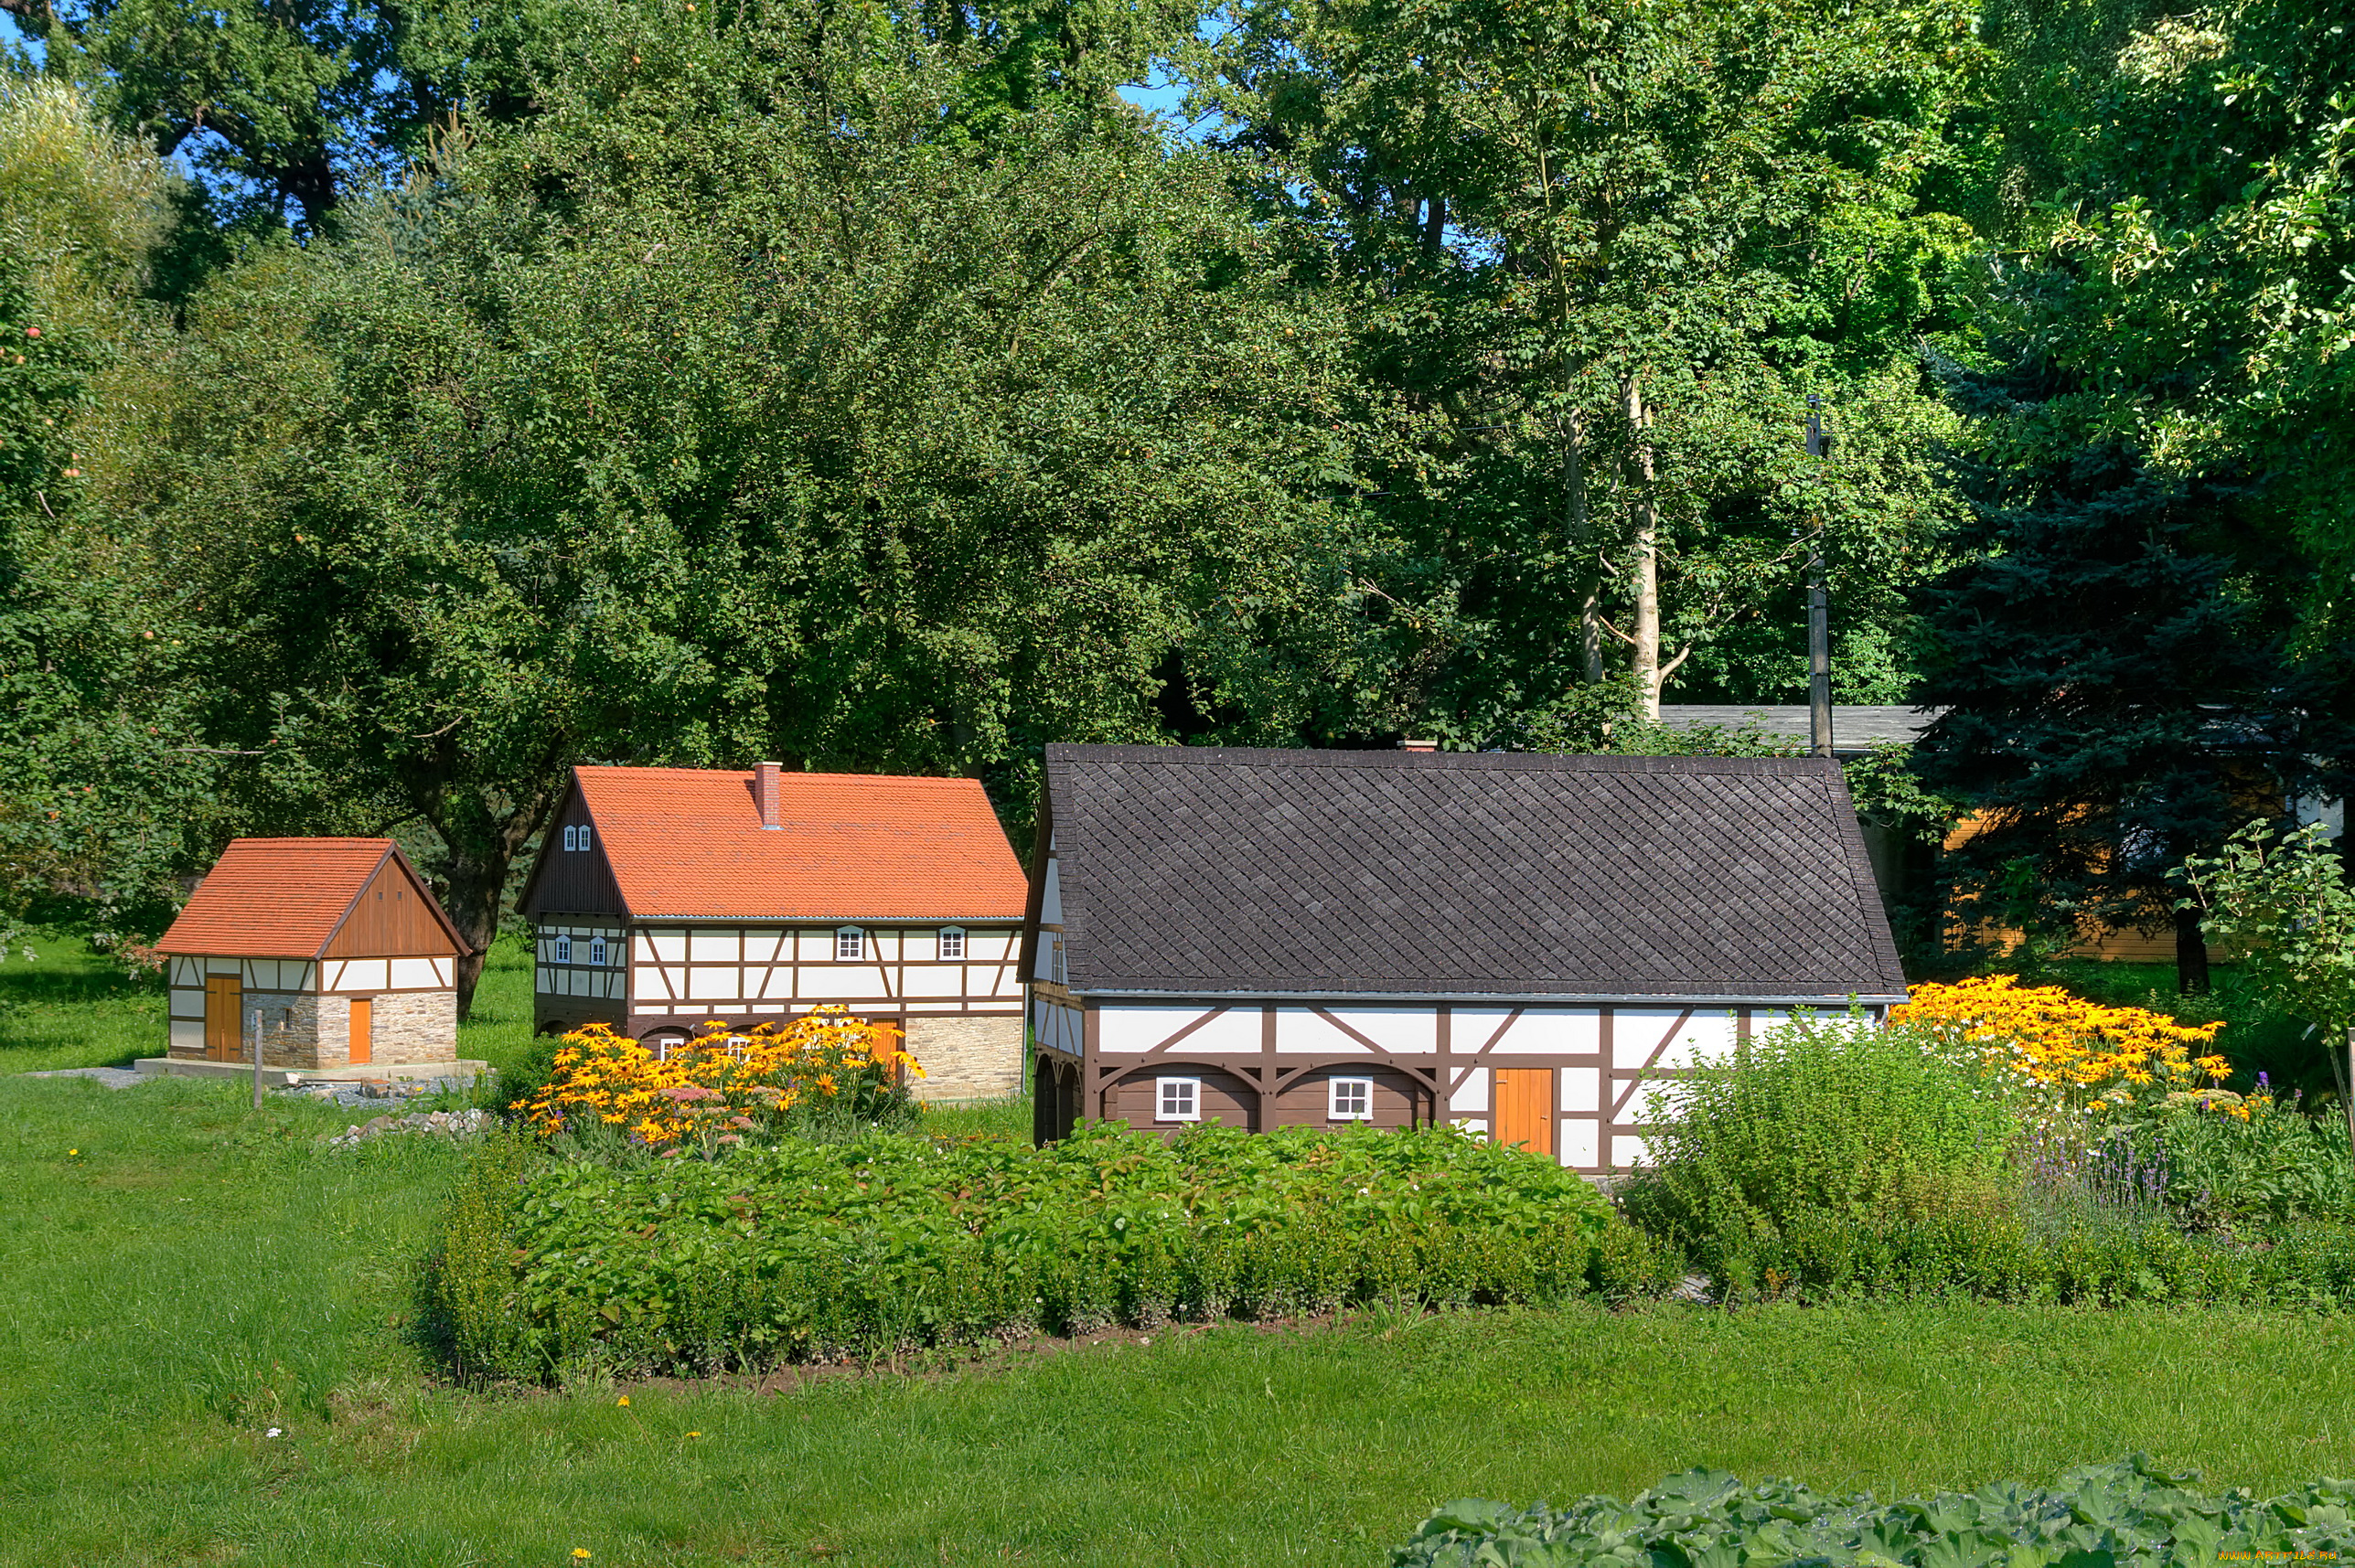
(182, 1276)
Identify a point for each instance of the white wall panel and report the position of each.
(816, 945)
(715, 985)
(718, 945)
(543, 980)
(187, 1002)
(992, 946)
(771, 984)
(763, 946)
(223, 966)
(1140, 1026)
(186, 972)
(1563, 1031)
(1636, 1030)
(1626, 1151)
(1050, 897)
(1707, 1038)
(1472, 1094)
(1579, 1138)
(669, 946)
(417, 972)
(187, 1034)
(1650, 1101)
(656, 982)
(360, 975)
(445, 972)
(1581, 1089)
(1300, 1033)
(936, 980)
(1470, 1027)
(1409, 1030)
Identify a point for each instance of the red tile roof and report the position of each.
(278, 898)
(687, 844)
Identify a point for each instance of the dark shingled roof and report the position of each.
(1204, 871)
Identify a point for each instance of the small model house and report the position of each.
(333, 952)
(1524, 944)
(665, 897)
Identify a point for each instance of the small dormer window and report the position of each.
(1177, 1099)
(1349, 1099)
(564, 949)
(584, 835)
(597, 951)
(849, 943)
(572, 837)
(952, 941)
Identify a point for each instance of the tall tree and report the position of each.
(2115, 702)
(753, 400)
(1599, 254)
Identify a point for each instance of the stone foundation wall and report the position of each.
(408, 1026)
(977, 1057)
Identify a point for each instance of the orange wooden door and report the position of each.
(1525, 1107)
(224, 1017)
(363, 1032)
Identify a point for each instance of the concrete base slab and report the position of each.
(279, 1077)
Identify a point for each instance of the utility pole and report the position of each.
(1819, 607)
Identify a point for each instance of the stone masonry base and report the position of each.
(311, 1033)
(973, 1058)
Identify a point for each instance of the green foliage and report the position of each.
(889, 1244)
(2274, 1166)
(2128, 1511)
(2287, 906)
(1820, 1126)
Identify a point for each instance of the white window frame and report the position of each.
(563, 951)
(952, 941)
(584, 836)
(597, 951)
(572, 837)
(1055, 961)
(1187, 1091)
(850, 945)
(1362, 1095)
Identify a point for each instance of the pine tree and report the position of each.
(2114, 704)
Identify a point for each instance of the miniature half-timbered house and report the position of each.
(1522, 945)
(333, 952)
(667, 897)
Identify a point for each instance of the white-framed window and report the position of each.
(952, 941)
(1177, 1099)
(584, 835)
(1054, 960)
(564, 949)
(1349, 1099)
(597, 951)
(572, 837)
(849, 943)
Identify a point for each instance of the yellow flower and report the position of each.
(624, 1400)
(580, 1554)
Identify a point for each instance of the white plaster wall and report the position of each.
(1580, 1140)
(1472, 1094)
(1580, 1088)
(1050, 897)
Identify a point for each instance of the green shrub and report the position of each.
(2276, 1165)
(469, 1281)
(1819, 1126)
(870, 1249)
(2127, 1513)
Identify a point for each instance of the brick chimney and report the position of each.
(764, 792)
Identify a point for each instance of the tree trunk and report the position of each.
(2342, 1067)
(479, 847)
(1647, 556)
(1580, 531)
(2190, 954)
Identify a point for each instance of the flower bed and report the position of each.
(2130, 1511)
(821, 1252)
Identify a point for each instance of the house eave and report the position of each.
(1841, 1000)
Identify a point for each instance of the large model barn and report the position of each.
(665, 897)
(1521, 943)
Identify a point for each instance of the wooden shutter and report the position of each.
(1525, 1107)
(224, 1017)
(363, 1032)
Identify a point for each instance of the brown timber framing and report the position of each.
(1606, 1107)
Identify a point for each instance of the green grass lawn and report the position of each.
(183, 1276)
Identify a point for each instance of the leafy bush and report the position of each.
(2126, 1512)
(1823, 1123)
(868, 1249)
(2261, 1160)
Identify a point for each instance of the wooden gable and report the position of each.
(571, 881)
(395, 915)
